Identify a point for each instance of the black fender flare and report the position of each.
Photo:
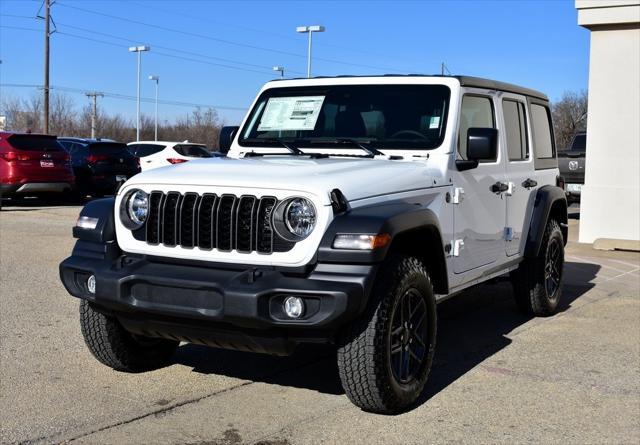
(548, 198)
(105, 230)
(390, 218)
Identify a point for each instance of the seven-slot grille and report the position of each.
(209, 221)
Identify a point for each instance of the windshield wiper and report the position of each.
(363, 145)
(293, 149)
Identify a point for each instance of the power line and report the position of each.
(127, 97)
(225, 41)
(267, 71)
(155, 45)
(267, 32)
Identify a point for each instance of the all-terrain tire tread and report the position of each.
(528, 280)
(362, 370)
(113, 346)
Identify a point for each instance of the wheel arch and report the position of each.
(425, 243)
(550, 203)
(413, 230)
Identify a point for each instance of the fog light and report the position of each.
(293, 307)
(91, 284)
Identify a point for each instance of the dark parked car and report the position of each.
(33, 164)
(571, 165)
(100, 165)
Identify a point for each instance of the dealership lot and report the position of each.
(498, 377)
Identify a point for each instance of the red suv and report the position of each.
(32, 164)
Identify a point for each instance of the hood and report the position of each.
(356, 178)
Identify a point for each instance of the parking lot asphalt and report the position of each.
(498, 377)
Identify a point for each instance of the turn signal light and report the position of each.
(352, 241)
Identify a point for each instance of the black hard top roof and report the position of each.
(467, 81)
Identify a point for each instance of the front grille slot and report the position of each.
(170, 219)
(153, 220)
(225, 222)
(207, 221)
(264, 232)
(210, 222)
(188, 219)
(245, 223)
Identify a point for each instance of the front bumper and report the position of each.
(237, 308)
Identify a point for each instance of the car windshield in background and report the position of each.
(376, 116)
(579, 143)
(30, 142)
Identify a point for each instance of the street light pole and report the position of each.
(156, 79)
(139, 50)
(280, 69)
(310, 30)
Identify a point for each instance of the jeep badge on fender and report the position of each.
(345, 210)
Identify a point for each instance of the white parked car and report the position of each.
(346, 209)
(154, 154)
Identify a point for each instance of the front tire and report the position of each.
(537, 283)
(113, 346)
(385, 357)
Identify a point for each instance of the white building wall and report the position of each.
(610, 202)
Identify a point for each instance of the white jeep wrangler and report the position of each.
(346, 209)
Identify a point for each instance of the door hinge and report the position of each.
(508, 233)
(456, 247)
(509, 191)
(457, 196)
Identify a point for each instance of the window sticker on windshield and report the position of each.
(435, 122)
(291, 113)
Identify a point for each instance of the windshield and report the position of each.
(381, 116)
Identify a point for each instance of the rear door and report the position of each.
(520, 171)
(39, 157)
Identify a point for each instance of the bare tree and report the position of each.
(569, 116)
(201, 125)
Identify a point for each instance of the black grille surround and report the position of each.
(209, 221)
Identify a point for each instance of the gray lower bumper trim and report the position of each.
(44, 187)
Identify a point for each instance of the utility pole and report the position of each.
(94, 114)
(47, 34)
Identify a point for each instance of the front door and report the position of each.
(479, 216)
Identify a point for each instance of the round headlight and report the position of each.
(137, 208)
(300, 217)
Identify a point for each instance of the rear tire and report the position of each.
(537, 283)
(113, 346)
(385, 357)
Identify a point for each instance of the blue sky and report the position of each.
(220, 52)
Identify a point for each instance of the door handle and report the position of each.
(499, 187)
(529, 183)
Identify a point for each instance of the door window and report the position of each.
(476, 112)
(516, 130)
(542, 139)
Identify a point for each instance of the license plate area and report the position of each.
(574, 188)
(46, 163)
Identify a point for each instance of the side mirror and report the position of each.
(225, 138)
(482, 145)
